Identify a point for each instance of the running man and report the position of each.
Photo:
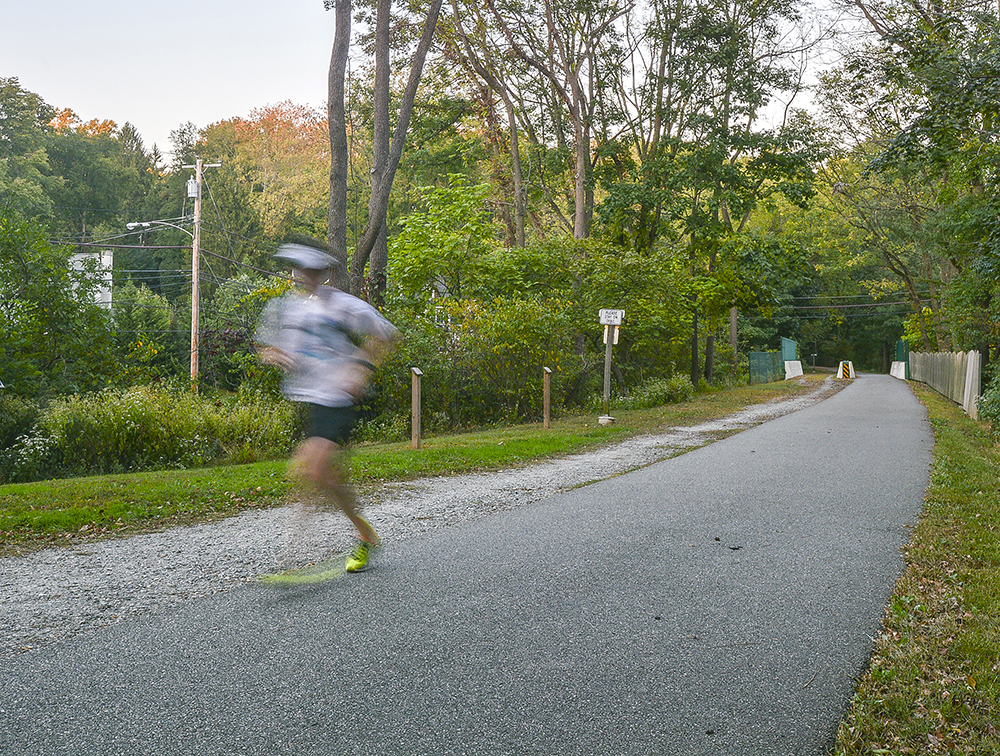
(328, 343)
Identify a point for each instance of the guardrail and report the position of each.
(955, 375)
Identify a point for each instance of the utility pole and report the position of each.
(194, 189)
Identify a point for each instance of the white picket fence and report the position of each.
(955, 375)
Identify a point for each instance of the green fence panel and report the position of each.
(789, 350)
(766, 367)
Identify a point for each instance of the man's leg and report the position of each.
(320, 462)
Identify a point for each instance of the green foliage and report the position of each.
(482, 363)
(146, 428)
(17, 415)
(53, 337)
(93, 179)
(988, 405)
(658, 392)
(482, 357)
(228, 358)
(142, 323)
(922, 99)
(24, 123)
(441, 250)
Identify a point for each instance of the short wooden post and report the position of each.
(415, 409)
(546, 396)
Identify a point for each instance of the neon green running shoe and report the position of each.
(358, 560)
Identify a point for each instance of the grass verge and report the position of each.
(933, 685)
(36, 515)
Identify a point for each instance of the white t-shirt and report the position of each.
(322, 331)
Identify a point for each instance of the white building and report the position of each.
(105, 263)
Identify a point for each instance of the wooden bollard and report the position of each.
(546, 396)
(415, 409)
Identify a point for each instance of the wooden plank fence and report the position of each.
(955, 375)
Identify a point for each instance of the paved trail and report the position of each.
(720, 602)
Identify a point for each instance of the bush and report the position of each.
(662, 391)
(482, 364)
(989, 405)
(654, 393)
(17, 417)
(150, 428)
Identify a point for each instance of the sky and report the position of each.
(160, 65)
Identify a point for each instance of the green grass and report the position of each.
(36, 515)
(933, 686)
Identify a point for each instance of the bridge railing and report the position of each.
(956, 375)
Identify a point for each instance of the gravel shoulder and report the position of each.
(55, 594)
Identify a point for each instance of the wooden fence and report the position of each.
(955, 375)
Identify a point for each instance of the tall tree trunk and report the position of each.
(379, 258)
(733, 344)
(695, 371)
(382, 184)
(710, 352)
(497, 84)
(582, 149)
(517, 174)
(337, 219)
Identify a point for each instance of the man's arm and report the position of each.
(271, 355)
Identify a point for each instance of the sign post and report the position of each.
(611, 320)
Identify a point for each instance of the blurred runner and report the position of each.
(328, 343)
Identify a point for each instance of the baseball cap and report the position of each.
(305, 257)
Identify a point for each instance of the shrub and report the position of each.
(653, 393)
(17, 415)
(256, 426)
(150, 428)
(482, 363)
(989, 405)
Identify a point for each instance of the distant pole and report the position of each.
(546, 396)
(195, 268)
(195, 265)
(415, 409)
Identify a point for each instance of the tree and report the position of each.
(565, 45)
(441, 250)
(143, 335)
(278, 154)
(24, 167)
(53, 337)
(383, 175)
(687, 158)
(922, 90)
(94, 181)
(481, 59)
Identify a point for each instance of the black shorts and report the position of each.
(332, 423)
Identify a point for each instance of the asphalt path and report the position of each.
(721, 602)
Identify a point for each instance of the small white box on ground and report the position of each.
(793, 369)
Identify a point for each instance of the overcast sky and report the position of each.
(159, 65)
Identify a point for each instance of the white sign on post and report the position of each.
(612, 317)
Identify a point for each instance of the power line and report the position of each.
(129, 246)
(845, 306)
